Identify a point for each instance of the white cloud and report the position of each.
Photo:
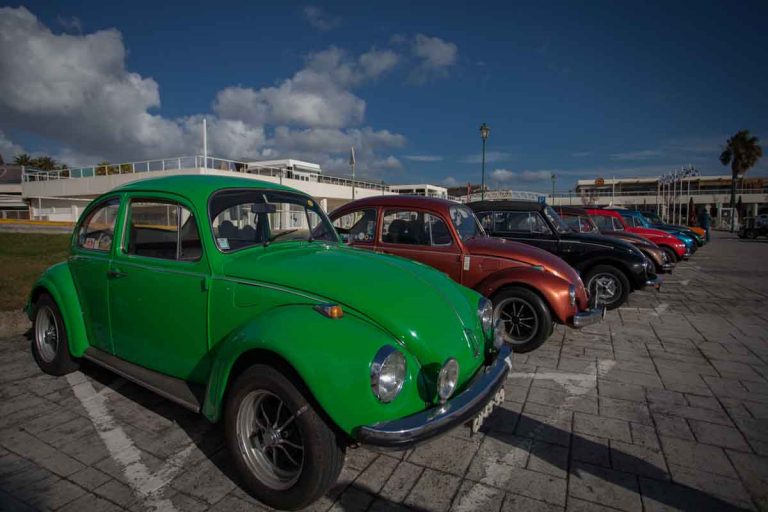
(435, 57)
(450, 182)
(75, 91)
(424, 158)
(490, 157)
(319, 19)
(506, 176)
(70, 24)
(8, 149)
(644, 154)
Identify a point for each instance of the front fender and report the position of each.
(553, 289)
(58, 283)
(331, 356)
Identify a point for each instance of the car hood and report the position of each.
(420, 306)
(508, 249)
(629, 238)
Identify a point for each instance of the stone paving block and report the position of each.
(703, 402)
(718, 435)
(447, 454)
(722, 487)
(665, 496)
(519, 503)
(590, 449)
(381, 505)
(644, 435)
(54, 494)
(551, 430)
(206, 480)
(637, 378)
(665, 396)
(548, 458)
(401, 481)
(622, 391)
(376, 474)
(697, 456)
(735, 370)
(672, 426)
(91, 503)
(692, 413)
(753, 471)
(504, 419)
(89, 478)
(505, 452)
(640, 460)
(117, 492)
(476, 496)
(601, 426)
(355, 500)
(683, 382)
(434, 491)
(601, 485)
(625, 410)
(40, 453)
(227, 504)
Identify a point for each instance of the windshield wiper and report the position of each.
(287, 232)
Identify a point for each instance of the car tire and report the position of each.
(527, 316)
(50, 344)
(262, 439)
(608, 276)
(751, 234)
(671, 254)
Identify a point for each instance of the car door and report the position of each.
(158, 289)
(422, 236)
(89, 265)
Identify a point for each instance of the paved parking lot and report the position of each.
(663, 406)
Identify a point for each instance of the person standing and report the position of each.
(704, 221)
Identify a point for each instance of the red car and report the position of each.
(611, 220)
(529, 287)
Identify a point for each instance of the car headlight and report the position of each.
(387, 373)
(447, 379)
(485, 314)
(572, 294)
(498, 335)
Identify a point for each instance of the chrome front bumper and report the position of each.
(668, 267)
(589, 317)
(425, 425)
(655, 282)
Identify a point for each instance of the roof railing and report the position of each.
(30, 174)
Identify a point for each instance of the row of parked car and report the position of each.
(239, 300)
(570, 266)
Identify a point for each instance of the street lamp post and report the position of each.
(484, 131)
(554, 177)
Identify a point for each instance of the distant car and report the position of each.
(611, 269)
(611, 221)
(528, 287)
(751, 229)
(235, 298)
(697, 234)
(636, 218)
(580, 221)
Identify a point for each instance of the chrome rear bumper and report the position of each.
(425, 425)
(589, 317)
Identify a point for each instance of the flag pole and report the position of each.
(352, 164)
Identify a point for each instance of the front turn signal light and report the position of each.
(330, 310)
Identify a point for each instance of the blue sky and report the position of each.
(581, 90)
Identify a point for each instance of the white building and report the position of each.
(420, 190)
(62, 195)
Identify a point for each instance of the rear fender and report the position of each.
(553, 289)
(331, 357)
(58, 283)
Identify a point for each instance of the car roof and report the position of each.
(197, 186)
(400, 201)
(507, 205)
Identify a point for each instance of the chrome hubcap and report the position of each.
(46, 334)
(518, 319)
(270, 440)
(606, 287)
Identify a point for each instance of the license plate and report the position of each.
(497, 399)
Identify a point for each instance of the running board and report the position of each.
(184, 393)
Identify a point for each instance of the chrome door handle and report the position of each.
(115, 274)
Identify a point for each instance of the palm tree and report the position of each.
(44, 163)
(22, 159)
(742, 152)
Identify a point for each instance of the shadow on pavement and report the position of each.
(654, 483)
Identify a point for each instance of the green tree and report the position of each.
(23, 159)
(44, 163)
(741, 152)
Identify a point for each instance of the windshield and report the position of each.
(652, 217)
(556, 221)
(243, 218)
(465, 222)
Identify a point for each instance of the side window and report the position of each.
(538, 225)
(631, 221)
(572, 221)
(512, 222)
(414, 228)
(486, 220)
(164, 230)
(617, 225)
(358, 226)
(604, 223)
(98, 230)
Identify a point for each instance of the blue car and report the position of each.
(637, 218)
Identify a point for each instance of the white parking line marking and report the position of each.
(574, 383)
(147, 486)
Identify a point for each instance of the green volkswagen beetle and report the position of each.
(235, 298)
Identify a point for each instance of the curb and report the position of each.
(13, 323)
